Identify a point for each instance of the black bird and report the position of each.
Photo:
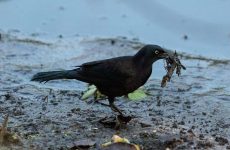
(113, 77)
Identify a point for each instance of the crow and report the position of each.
(115, 76)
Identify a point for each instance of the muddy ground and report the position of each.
(192, 112)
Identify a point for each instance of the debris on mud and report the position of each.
(7, 138)
(115, 122)
(137, 94)
(82, 144)
(172, 63)
(91, 91)
(221, 140)
(31, 41)
(118, 143)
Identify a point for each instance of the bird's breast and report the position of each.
(138, 80)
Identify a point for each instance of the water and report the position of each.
(161, 22)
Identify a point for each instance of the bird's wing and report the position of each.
(105, 72)
(88, 64)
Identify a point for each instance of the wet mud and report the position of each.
(191, 112)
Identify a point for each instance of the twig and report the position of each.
(3, 129)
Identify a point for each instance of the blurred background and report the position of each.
(197, 27)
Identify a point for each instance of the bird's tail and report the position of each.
(53, 75)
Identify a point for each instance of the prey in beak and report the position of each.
(172, 63)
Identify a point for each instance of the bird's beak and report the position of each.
(164, 55)
(167, 53)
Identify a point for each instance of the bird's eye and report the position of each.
(156, 52)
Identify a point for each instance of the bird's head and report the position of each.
(148, 54)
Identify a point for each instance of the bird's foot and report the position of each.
(115, 122)
(123, 119)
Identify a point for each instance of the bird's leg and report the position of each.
(113, 107)
(102, 103)
(98, 100)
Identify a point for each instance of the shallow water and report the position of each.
(165, 23)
